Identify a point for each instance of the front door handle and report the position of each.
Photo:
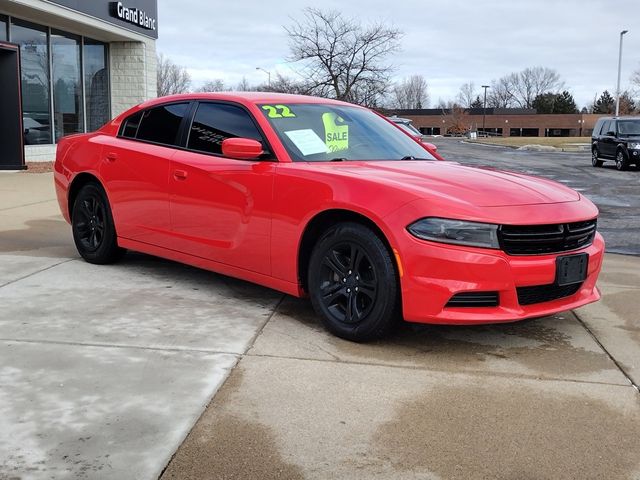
(180, 174)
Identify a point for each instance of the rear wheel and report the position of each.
(594, 158)
(622, 163)
(353, 283)
(92, 224)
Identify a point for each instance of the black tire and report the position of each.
(92, 225)
(594, 158)
(622, 162)
(353, 283)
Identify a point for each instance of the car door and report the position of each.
(607, 139)
(136, 172)
(221, 207)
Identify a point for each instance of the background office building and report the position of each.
(81, 63)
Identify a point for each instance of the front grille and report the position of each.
(473, 299)
(545, 293)
(542, 239)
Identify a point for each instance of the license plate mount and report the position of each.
(571, 269)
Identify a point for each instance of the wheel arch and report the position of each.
(76, 184)
(320, 223)
(622, 148)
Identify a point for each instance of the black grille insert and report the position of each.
(545, 293)
(473, 299)
(542, 239)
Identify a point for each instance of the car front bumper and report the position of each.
(432, 273)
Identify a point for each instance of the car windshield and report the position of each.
(325, 132)
(629, 127)
(409, 128)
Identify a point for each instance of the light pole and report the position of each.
(268, 75)
(619, 70)
(484, 110)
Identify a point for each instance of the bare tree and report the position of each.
(341, 58)
(411, 92)
(213, 86)
(533, 81)
(171, 78)
(500, 93)
(466, 95)
(519, 89)
(455, 119)
(635, 78)
(243, 86)
(282, 84)
(635, 82)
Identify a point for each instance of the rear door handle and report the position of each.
(179, 174)
(112, 157)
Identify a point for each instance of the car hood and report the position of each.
(478, 186)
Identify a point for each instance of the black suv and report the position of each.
(616, 139)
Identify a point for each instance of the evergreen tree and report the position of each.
(606, 104)
(549, 102)
(565, 103)
(627, 105)
(545, 102)
(477, 103)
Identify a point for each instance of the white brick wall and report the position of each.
(133, 74)
(40, 153)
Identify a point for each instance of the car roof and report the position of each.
(630, 117)
(245, 97)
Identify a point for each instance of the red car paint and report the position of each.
(163, 201)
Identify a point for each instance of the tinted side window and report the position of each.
(130, 127)
(215, 122)
(605, 127)
(161, 124)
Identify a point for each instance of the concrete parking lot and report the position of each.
(119, 371)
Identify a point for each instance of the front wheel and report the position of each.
(594, 158)
(353, 283)
(92, 224)
(622, 163)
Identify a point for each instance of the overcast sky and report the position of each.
(448, 42)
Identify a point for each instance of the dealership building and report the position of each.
(505, 122)
(74, 65)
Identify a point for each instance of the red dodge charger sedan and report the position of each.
(322, 198)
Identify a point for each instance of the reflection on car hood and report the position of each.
(482, 187)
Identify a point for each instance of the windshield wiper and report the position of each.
(339, 159)
(411, 157)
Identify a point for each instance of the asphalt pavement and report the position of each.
(617, 194)
(119, 372)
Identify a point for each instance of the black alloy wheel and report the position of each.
(594, 158)
(92, 225)
(353, 283)
(621, 161)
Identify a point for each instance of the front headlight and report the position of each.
(634, 146)
(457, 232)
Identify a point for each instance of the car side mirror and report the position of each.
(611, 134)
(242, 148)
(430, 146)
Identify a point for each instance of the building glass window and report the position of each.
(3, 28)
(60, 70)
(35, 81)
(67, 84)
(96, 84)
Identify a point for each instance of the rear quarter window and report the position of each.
(161, 124)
